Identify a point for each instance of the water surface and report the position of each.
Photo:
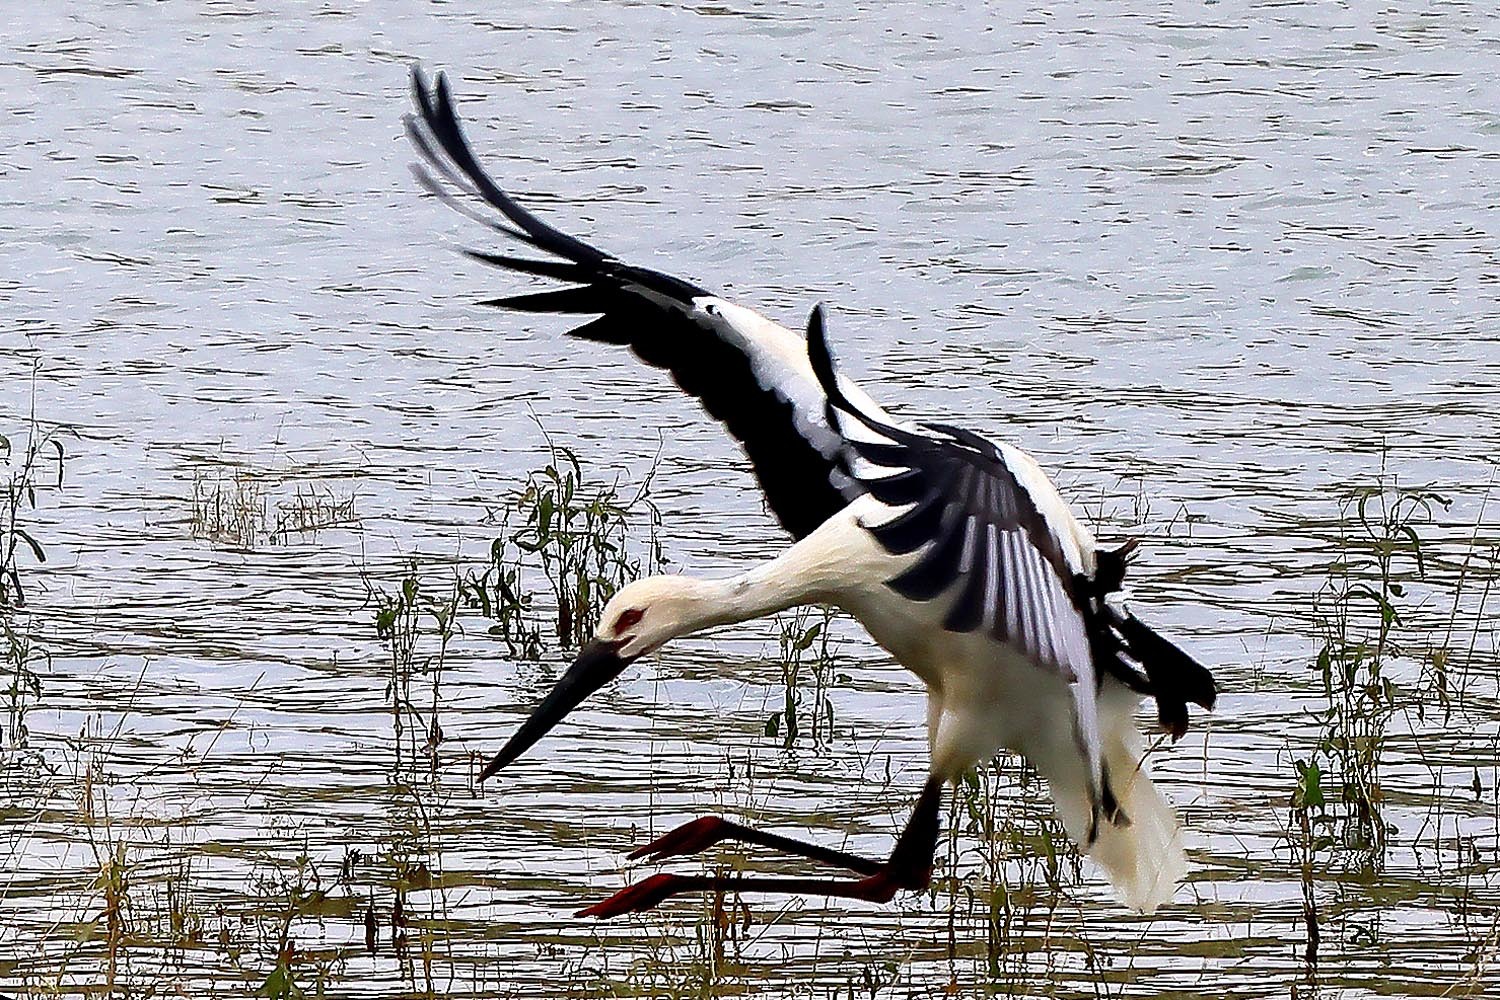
(1213, 264)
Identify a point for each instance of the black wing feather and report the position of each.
(558, 270)
(912, 528)
(641, 308)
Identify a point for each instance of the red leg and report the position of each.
(700, 834)
(909, 866)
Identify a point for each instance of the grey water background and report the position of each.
(1232, 258)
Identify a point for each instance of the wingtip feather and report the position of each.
(820, 356)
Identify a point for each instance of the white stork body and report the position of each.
(955, 552)
(983, 695)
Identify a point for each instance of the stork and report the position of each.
(955, 552)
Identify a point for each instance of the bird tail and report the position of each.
(1174, 678)
(1140, 850)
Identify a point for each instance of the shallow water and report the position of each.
(1214, 265)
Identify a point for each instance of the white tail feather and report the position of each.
(1142, 858)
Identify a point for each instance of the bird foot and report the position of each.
(690, 838)
(651, 892)
(646, 894)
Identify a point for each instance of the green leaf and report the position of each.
(385, 621)
(279, 985)
(36, 547)
(544, 514)
(1309, 794)
(1416, 548)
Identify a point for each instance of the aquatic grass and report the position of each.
(586, 541)
(156, 916)
(1364, 637)
(231, 510)
(806, 665)
(497, 592)
(366, 909)
(1399, 620)
(1009, 867)
(416, 622)
(33, 462)
(691, 947)
(23, 663)
(1448, 660)
(312, 508)
(241, 509)
(1309, 835)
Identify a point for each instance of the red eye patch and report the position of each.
(629, 619)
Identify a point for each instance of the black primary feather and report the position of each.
(644, 309)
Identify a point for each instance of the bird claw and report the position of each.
(643, 895)
(689, 838)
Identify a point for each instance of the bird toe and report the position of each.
(644, 895)
(689, 838)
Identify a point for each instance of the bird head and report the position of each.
(643, 616)
(639, 619)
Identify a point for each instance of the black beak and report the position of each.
(597, 664)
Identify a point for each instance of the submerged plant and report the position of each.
(239, 510)
(311, 509)
(231, 511)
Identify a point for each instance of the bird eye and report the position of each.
(628, 619)
(711, 309)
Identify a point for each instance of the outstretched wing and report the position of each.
(973, 511)
(749, 373)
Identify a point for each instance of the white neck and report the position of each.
(765, 590)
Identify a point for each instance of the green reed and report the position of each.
(1362, 617)
(416, 621)
(1398, 619)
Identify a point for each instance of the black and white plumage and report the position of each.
(956, 552)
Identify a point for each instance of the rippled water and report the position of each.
(1214, 264)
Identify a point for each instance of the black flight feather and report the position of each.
(651, 312)
(579, 299)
